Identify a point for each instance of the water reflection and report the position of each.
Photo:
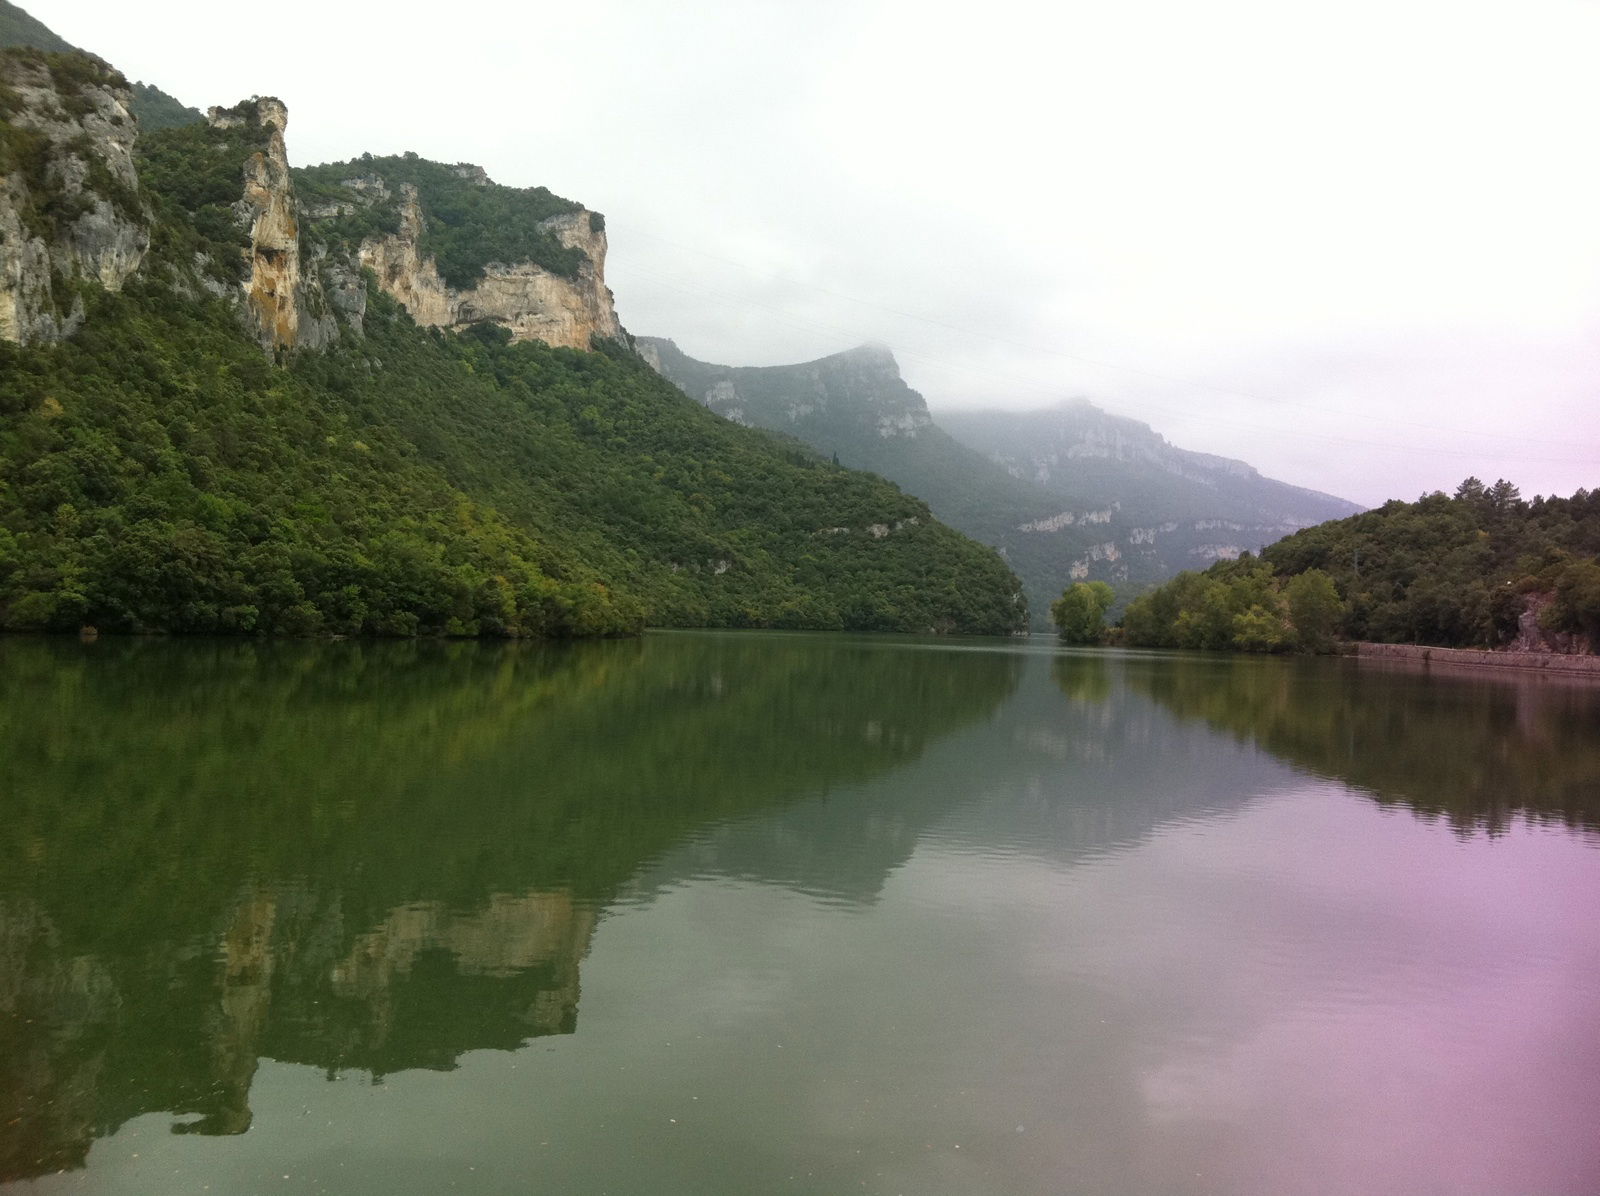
(1478, 749)
(371, 856)
(848, 913)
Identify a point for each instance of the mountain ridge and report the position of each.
(1067, 493)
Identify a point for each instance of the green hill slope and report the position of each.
(1484, 568)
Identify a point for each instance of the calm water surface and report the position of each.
(789, 913)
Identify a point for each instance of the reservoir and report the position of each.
(801, 913)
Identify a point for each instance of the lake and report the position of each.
(791, 913)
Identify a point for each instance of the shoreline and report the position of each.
(1545, 663)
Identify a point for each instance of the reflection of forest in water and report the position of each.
(1476, 749)
(373, 856)
(380, 856)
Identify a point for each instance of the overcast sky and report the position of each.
(1356, 244)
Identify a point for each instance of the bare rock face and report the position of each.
(1533, 636)
(76, 215)
(283, 307)
(534, 303)
(404, 273)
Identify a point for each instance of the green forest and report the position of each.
(1447, 570)
(160, 473)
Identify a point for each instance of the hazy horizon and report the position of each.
(1352, 245)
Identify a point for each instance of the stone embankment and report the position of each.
(1535, 662)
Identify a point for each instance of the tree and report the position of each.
(1079, 614)
(1258, 629)
(1314, 609)
(1576, 608)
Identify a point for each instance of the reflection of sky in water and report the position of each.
(1078, 947)
(1214, 1009)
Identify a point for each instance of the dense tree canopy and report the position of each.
(1079, 614)
(1454, 571)
(160, 473)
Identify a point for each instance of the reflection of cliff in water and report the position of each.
(371, 856)
(1072, 765)
(1476, 749)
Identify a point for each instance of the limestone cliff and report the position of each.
(71, 210)
(532, 302)
(282, 306)
(69, 194)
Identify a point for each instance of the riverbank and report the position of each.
(1539, 662)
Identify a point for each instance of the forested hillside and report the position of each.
(1482, 568)
(160, 471)
(1066, 493)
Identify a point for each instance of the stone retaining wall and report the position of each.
(1544, 662)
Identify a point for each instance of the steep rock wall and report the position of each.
(282, 306)
(530, 301)
(69, 205)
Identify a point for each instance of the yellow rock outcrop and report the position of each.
(530, 301)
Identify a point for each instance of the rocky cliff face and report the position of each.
(282, 306)
(70, 209)
(530, 301)
(69, 206)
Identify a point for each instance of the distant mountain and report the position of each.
(856, 405)
(1221, 506)
(154, 108)
(1070, 492)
